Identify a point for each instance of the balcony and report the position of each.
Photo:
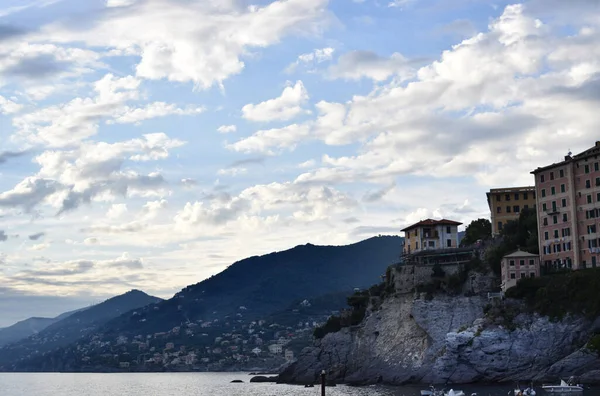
(430, 235)
(553, 211)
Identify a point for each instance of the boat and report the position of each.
(563, 387)
(435, 392)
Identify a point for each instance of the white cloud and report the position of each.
(201, 42)
(282, 108)
(358, 64)
(311, 59)
(7, 106)
(226, 129)
(264, 141)
(40, 246)
(119, 3)
(153, 110)
(116, 211)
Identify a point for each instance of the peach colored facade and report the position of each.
(568, 202)
(506, 204)
(519, 265)
(430, 234)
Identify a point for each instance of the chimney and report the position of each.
(597, 143)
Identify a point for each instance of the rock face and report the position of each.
(447, 339)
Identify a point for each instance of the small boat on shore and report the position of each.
(518, 391)
(564, 387)
(435, 392)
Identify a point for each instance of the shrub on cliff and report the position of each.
(559, 294)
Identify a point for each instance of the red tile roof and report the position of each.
(431, 222)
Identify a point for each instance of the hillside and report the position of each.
(262, 285)
(73, 326)
(28, 327)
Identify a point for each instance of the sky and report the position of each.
(149, 144)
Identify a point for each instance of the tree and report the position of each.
(478, 229)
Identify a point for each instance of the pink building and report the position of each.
(568, 206)
(519, 265)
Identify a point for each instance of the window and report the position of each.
(516, 209)
(589, 198)
(563, 188)
(591, 229)
(522, 275)
(588, 184)
(532, 274)
(511, 262)
(522, 262)
(566, 232)
(499, 225)
(448, 242)
(513, 276)
(448, 230)
(564, 217)
(555, 219)
(542, 178)
(596, 167)
(592, 243)
(598, 197)
(551, 175)
(525, 207)
(545, 221)
(564, 202)
(555, 233)
(587, 169)
(498, 198)
(561, 173)
(524, 195)
(416, 245)
(546, 235)
(597, 181)
(553, 190)
(544, 207)
(554, 206)
(508, 209)
(516, 196)
(498, 209)
(531, 262)
(507, 197)
(543, 192)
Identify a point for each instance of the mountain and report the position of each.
(71, 327)
(28, 327)
(262, 285)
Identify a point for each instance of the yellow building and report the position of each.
(506, 204)
(430, 234)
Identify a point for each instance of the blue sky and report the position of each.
(150, 143)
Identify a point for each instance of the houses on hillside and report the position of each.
(566, 198)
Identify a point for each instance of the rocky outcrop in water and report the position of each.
(449, 339)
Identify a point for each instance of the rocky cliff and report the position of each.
(415, 339)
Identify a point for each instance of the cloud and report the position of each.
(6, 155)
(265, 140)
(39, 246)
(248, 161)
(153, 110)
(460, 27)
(311, 59)
(199, 42)
(282, 108)
(3, 236)
(35, 237)
(227, 128)
(355, 65)
(375, 196)
(9, 32)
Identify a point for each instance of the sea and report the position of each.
(209, 384)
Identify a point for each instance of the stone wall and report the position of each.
(406, 277)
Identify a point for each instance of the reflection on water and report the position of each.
(212, 384)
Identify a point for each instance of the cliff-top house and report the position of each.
(430, 235)
(506, 204)
(518, 265)
(568, 209)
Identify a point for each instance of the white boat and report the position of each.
(434, 392)
(563, 388)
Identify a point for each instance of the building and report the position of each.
(275, 349)
(430, 234)
(519, 265)
(506, 204)
(568, 209)
(289, 355)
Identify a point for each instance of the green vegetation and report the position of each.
(521, 233)
(358, 303)
(594, 344)
(563, 293)
(476, 230)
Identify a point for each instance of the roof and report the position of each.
(595, 150)
(520, 253)
(431, 222)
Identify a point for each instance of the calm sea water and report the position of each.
(210, 384)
